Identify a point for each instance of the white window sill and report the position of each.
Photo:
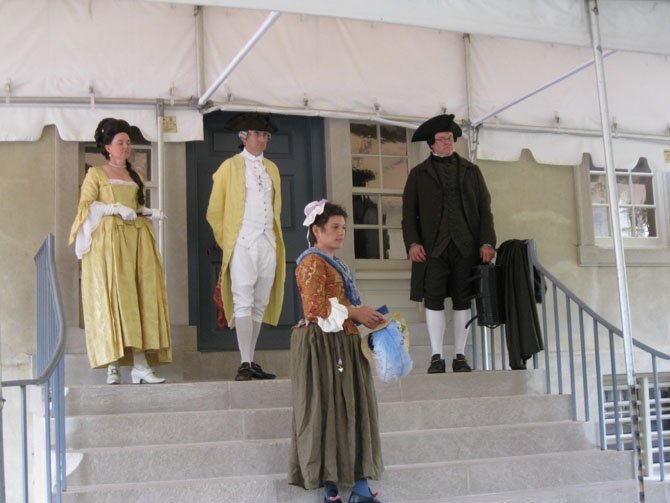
(590, 255)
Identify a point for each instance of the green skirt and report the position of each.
(335, 430)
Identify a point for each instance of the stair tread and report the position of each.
(559, 494)
(457, 401)
(384, 434)
(387, 467)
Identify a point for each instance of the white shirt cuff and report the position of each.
(85, 232)
(335, 321)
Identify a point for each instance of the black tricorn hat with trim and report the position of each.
(437, 124)
(251, 121)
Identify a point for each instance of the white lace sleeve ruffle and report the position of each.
(96, 211)
(335, 321)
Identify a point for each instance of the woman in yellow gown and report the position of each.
(122, 285)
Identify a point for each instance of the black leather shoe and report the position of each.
(244, 372)
(357, 498)
(460, 364)
(437, 365)
(258, 373)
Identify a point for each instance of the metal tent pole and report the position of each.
(269, 21)
(618, 240)
(539, 89)
(472, 151)
(160, 162)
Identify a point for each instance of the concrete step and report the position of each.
(108, 430)
(424, 482)
(619, 491)
(657, 491)
(109, 465)
(421, 482)
(220, 395)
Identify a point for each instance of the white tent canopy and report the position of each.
(72, 62)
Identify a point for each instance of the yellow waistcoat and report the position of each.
(225, 213)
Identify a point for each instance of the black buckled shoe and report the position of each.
(244, 372)
(437, 365)
(258, 373)
(357, 498)
(460, 364)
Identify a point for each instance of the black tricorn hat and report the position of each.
(251, 121)
(434, 125)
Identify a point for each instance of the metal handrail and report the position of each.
(605, 337)
(50, 365)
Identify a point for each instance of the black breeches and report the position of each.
(449, 276)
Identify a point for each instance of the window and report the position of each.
(379, 167)
(643, 215)
(637, 210)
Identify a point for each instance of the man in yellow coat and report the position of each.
(244, 213)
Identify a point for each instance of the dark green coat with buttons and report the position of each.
(422, 203)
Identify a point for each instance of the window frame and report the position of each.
(639, 251)
(379, 193)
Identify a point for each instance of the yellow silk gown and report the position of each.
(122, 284)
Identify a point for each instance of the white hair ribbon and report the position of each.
(312, 210)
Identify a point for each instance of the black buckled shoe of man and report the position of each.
(460, 364)
(244, 372)
(437, 365)
(358, 498)
(258, 373)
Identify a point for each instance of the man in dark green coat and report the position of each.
(448, 229)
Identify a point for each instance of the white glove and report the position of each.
(115, 209)
(153, 213)
(125, 212)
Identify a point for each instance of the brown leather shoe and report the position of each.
(244, 372)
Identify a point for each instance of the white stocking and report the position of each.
(254, 337)
(244, 329)
(436, 323)
(139, 358)
(460, 332)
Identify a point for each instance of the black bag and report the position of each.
(488, 296)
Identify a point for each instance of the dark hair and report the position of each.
(107, 129)
(329, 210)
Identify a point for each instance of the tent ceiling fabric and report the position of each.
(635, 25)
(337, 65)
(398, 60)
(123, 49)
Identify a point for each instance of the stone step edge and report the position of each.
(567, 489)
(388, 468)
(455, 401)
(395, 433)
(457, 375)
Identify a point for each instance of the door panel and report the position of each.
(298, 149)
